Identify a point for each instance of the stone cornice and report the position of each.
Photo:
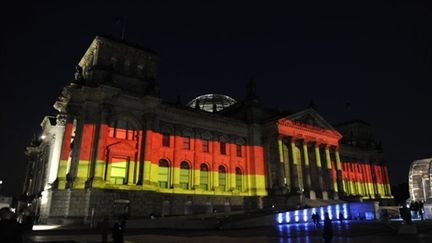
(308, 132)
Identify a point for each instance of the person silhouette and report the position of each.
(328, 229)
(117, 232)
(341, 217)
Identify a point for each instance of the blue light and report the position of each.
(296, 213)
(305, 215)
(322, 213)
(345, 210)
(306, 225)
(329, 211)
(337, 211)
(287, 217)
(280, 229)
(279, 218)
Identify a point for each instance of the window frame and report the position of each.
(222, 148)
(187, 143)
(167, 174)
(205, 145)
(204, 168)
(222, 171)
(239, 150)
(166, 137)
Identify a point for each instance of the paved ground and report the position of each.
(349, 231)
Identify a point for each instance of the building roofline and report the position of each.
(126, 43)
(351, 122)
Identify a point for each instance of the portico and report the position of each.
(309, 157)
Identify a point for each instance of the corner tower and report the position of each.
(119, 64)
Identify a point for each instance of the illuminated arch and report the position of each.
(124, 126)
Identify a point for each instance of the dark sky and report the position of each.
(375, 56)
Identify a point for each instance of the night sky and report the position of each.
(375, 57)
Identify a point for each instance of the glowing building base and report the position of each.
(360, 211)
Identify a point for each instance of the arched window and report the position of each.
(184, 175)
(222, 178)
(122, 129)
(163, 173)
(204, 176)
(238, 178)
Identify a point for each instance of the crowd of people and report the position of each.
(327, 229)
(416, 208)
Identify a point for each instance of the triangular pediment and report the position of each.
(311, 118)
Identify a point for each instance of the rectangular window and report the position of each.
(222, 181)
(222, 148)
(186, 142)
(238, 150)
(118, 170)
(184, 178)
(165, 140)
(204, 180)
(205, 145)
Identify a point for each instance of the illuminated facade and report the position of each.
(419, 179)
(114, 139)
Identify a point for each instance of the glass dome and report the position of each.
(208, 101)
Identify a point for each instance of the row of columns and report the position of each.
(307, 167)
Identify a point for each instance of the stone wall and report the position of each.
(77, 206)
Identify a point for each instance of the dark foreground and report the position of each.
(348, 231)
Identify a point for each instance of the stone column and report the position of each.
(215, 178)
(175, 165)
(294, 170)
(319, 169)
(282, 176)
(307, 171)
(339, 178)
(365, 179)
(329, 177)
(97, 165)
(56, 148)
(75, 153)
(60, 164)
(352, 179)
(232, 179)
(286, 166)
(142, 141)
(196, 176)
(64, 165)
(131, 171)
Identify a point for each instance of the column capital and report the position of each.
(327, 146)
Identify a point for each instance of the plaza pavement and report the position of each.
(346, 232)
